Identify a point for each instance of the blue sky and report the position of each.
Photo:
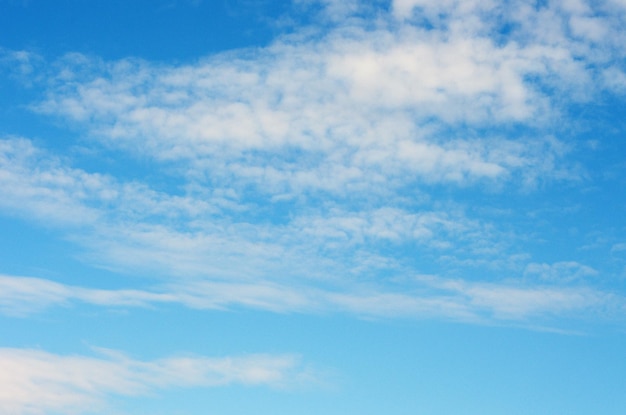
(240, 206)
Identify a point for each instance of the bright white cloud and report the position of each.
(364, 107)
(34, 382)
(359, 108)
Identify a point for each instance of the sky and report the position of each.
(312, 207)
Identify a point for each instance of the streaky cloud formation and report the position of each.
(125, 237)
(431, 297)
(37, 382)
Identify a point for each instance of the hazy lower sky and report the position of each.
(408, 207)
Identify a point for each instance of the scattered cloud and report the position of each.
(301, 171)
(386, 161)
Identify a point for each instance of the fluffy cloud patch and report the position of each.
(356, 107)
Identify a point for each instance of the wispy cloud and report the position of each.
(566, 271)
(203, 259)
(34, 382)
(130, 225)
(429, 297)
(20, 65)
(514, 301)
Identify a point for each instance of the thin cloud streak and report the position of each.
(34, 382)
(430, 298)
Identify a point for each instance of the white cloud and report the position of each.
(438, 9)
(361, 107)
(502, 301)
(592, 28)
(343, 129)
(565, 271)
(333, 10)
(441, 230)
(428, 297)
(618, 248)
(39, 185)
(515, 303)
(23, 295)
(34, 382)
(357, 106)
(20, 65)
(615, 78)
(47, 190)
(203, 258)
(198, 234)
